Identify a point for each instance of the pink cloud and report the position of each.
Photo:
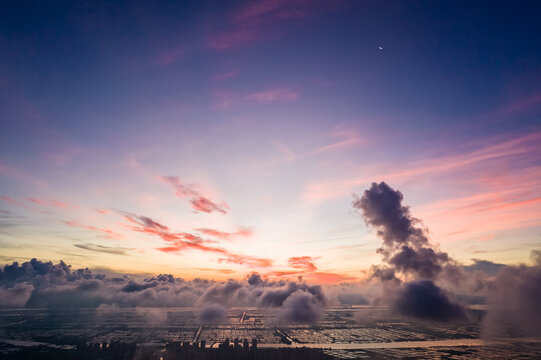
(319, 277)
(493, 192)
(225, 76)
(181, 241)
(304, 267)
(16, 203)
(272, 95)
(302, 262)
(198, 201)
(343, 139)
(254, 21)
(246, 260)
(493, 154)
(52, 203)
(516, 105)
(108, 233)
(242, 232)
(226, 99)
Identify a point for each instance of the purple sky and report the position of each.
(211, 138)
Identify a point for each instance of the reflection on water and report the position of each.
(409, 344)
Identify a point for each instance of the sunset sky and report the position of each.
(210, 139)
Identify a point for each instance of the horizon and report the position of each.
(274, 161)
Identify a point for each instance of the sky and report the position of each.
(211, 139)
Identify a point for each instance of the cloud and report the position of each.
(407, 254)
(304, 267)
(16, 203)
(488, 267)
(51, 203)
(277, 95)
(211, 313)
(301, 307)
(256, 20)
(514, 302)
(106, 232)
(497, 193)
(186, 241)
(271, 96)
(424, 300)
(199, 202)
(241, 232)
(44, 284)
(16, 296)
(245, 260)
(302, 262)
(405, 245)
(9, 219)
(225, 76)
(352, 299)
(255, 279)
(103, 249)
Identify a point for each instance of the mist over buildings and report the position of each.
(44, 284)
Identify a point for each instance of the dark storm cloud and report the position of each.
(44, 284)
(382, 208)
(424, 300)
(405, 245)
(407, 253)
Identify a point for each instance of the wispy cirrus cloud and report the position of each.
(254, 21)
(199, 202)
(181, 241)
(105, 232)
(272, 95)
(21, 205)
(241, 232)
(52, 203)
(246, 260)
(498, 179)
(472, 164)
(226, 99)
(103, 249)
(226, 75)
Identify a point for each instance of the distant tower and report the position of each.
(254, 343)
